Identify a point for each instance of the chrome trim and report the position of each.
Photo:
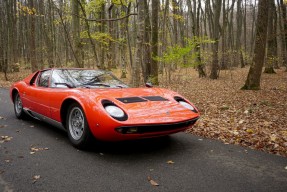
(44, 118)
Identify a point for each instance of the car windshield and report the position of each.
(85, 78)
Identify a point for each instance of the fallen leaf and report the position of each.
(35, 149)
(170, 162)
(249, 131)
(273, 137)
(5, 139)
(152, 182)
(224, 107)
(35, 178)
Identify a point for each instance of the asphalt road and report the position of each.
(198, 164)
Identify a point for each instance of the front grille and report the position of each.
(157, 128)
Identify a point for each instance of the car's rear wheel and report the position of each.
(77, 126)
(18, 107)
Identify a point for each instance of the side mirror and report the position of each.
(149, 85)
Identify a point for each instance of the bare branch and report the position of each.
(107, 20)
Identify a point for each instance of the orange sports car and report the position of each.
(95, 104)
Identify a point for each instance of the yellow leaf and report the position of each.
(249, 131)
(273, 137)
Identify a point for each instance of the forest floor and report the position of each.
(255, 119)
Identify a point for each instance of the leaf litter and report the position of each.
(5, 139)
(33, 149)
(254, 119)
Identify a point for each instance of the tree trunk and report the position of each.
(146, 64)
(255, 71)
(194, 17)
(154, 43)
(272, 39)
(32, 39)
(139, 43)
(215, 35)
(77, 44)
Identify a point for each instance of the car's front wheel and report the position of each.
(77, 126)
(18, 107)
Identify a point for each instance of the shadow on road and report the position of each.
(159, 145)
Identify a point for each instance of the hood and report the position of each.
(146, 105)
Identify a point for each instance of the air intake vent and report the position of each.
(155, 98)
(131, 99)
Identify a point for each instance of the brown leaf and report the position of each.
(170, 162)
(35, 178)
(152, 182)
(5, 139)
(35, 149)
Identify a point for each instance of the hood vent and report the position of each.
(131, 99)
(141, 99)
(155, 98)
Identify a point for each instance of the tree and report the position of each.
(32, 38)
(194, 17)
(215, 35)
(154, 43)
(77, 44)
(255, 71)
(272, 39)
(139, 44)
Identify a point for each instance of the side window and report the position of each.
(33, 80)
(44, 79)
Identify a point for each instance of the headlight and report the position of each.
(115, 111)
(186, 105)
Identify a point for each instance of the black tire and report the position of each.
(18, 107)
(77, 127)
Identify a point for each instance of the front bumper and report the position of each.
(156, 128)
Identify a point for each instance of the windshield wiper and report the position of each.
(95, 84)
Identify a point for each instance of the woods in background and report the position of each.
(145, 38)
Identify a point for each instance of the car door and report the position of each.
(39, 94)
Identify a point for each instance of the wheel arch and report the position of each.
(65, 107)
(13, 94)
